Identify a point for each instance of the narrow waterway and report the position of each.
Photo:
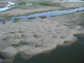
(42, 14)
(47, 14)
(8, 6)
(62, 54)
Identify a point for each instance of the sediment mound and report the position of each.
(33, 37)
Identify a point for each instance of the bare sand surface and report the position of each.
(3, 4)
(32, 37)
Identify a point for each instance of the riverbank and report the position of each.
(25, 10)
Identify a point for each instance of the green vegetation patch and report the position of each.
(48, 4)
(44, 3)
(22, 3)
